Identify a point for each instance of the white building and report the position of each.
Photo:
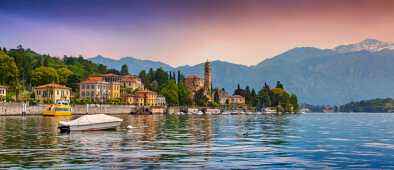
(160, 101)
(3, 93)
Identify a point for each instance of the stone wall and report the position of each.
(17, 108)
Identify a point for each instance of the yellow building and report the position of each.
(150, 97)
(115, 90)
(236, 100)
(51, 93)
(135, 100)
(131, 82)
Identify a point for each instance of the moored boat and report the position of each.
(58, 109)
(90, 122)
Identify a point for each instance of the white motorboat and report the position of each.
(269, 110)
(199, 113)
(90, 122)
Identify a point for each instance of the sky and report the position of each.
(180, 32)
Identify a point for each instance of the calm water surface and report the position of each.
(314, 140)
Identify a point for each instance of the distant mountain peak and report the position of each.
(369, 44)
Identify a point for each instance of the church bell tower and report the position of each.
(207, 78)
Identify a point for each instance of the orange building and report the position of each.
(150, 97)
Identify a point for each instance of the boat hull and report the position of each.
(90, 127)
(57, 113)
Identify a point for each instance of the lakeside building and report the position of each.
(52, 92)
(110, 77)
(131, 82)
(150, 97)
(208, 80)
(236, 101)
(161, 101)
(3, 93)
(95, 88)
(194, 84)
(135, 100)
(222, 94)
(115, 90)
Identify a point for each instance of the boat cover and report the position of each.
(91, 119)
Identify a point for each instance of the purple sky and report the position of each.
(189, 32)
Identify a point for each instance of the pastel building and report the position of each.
(236, 100)
(3, 93)
(52, 93)
(135, 100)
(150, 97)
(110, 77)
(115, 90)
(161, 101)
(95, 88)
(131, 82)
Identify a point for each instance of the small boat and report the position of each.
(269, 110)
(58, 109)
(90, 122)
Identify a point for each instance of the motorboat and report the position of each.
(61, 108)
(90, 122)
(269, 110)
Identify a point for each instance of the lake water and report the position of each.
(314, 140)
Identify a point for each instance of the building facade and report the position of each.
(95, 88)
(236, 100)
(3, 93)
(161, 101)
(52, 93)
(135, 100)
(222, 96)
(115, 90)
(207, 79)
(150, 97)
(194, 83)
(110, 77)
(131, 82)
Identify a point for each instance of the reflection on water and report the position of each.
(207, 142)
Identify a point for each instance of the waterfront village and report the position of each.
(153, 91)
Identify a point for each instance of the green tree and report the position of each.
(124, 70)
(184, 95)
(279, 85)
(200, 98)
(294, 103)
(64, 73)
(170, 92)
(44, 75)
(8, 70)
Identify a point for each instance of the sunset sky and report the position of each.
(189, 32)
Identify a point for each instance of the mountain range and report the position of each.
(352, 72)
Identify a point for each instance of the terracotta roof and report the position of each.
(52, 85)
(93, 79)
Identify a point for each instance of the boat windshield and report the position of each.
(62, 109)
